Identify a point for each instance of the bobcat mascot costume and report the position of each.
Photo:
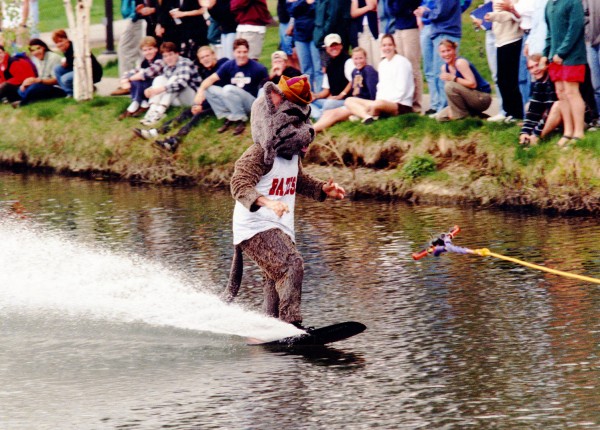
(264, 184)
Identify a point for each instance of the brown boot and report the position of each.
(225, 126)
(120, 92)
(239, 128)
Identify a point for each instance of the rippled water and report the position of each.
(109, 316)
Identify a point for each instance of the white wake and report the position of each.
(41, 271)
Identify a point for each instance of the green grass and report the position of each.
(53, 15)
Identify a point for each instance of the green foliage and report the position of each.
(418, 166)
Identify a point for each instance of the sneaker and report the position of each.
(145, 134)
(497, 118)
(239, 128)
(354, 118)
(152, 117)
(432, 115)
(169, 144)
(225, 126)
(430, 112)
(509, 120)
(368, 120)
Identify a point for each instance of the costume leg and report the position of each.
(271, 299)
(277, 256)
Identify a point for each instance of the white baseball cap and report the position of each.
(332, 38)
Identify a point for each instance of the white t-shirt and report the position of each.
(396, 83)
(279, 184)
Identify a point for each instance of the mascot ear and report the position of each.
(273, 95)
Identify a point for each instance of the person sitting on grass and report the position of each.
(241, 78)
(543, 113)
(13, 72)
(175, 83)
(44, 86)
(135, 83)
(208, 65)
(279, 67)
(467, 92)
(64, 71)
(395, 88)
(363, 85)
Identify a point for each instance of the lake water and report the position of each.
(110, 316)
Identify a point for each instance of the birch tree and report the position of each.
(78, 17)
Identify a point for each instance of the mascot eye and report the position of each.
(298, 124)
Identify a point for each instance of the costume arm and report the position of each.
(249, 168)
(309, 186)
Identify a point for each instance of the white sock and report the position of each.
(161, 108)
(134, 106)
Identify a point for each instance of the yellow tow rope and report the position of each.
(484, 252)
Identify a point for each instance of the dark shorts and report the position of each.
(561, 72)
(404, 109)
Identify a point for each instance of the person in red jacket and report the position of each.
(13, 71)
(252, 17)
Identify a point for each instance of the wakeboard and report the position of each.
(316, 337)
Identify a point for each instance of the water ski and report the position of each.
(317, 337)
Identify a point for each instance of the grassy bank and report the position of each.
(410, 157)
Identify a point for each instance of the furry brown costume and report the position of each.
(281, 129)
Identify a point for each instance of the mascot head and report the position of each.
(280, 118)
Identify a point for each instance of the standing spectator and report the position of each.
(13, 72)
(64, 72)
(175, 82)
(363, 85)
(128, 51)
(303, 12)
(252, 17)
(492, 61)
(509, 38)
(148, 10)
(565, 47)
(191, 117)
(331, 16)
(241, 78)
(333, 92)
(467, 92)
(395, 89)
(408, 43)
(365, 28)
(132, 80)
(286, 42)
(220, 12)
(190, 26)
(30, 17)
(44, 86)
(592, 38)
(386, 18)
(445, 24)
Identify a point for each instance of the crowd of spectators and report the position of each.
(204, 55)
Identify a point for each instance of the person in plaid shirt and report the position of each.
(176, 80)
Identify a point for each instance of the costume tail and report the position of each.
(235, 275)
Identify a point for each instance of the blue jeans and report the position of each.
(492, 59)
(430, 74)
(230, 102)
(138, 88)
(310, 63)
(285, 41)
(321, 105)
(40, 92)
(524, 76)
(437, 90)
(65, 79)
(593, 56)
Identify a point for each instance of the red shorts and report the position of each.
(561, 72)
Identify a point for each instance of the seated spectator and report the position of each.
(64, 72)
(279, 67)
(13, 72)
(44, 86)
(363, 85)
(395, 89)
(241, 78)
(335, 80)
(175, 83)
(133, 84)
(467, 92)
(208, 65)
(543, 113)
